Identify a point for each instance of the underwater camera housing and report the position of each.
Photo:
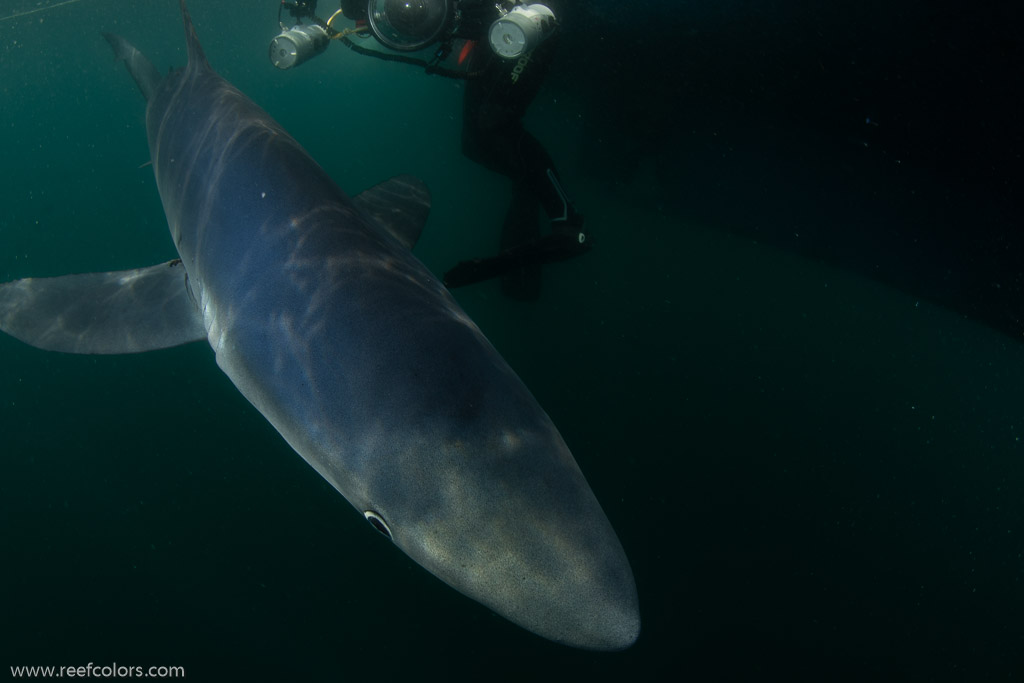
(301, 42)
(298, 44)
(408, 25)
(521, 30)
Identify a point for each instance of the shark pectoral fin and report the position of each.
(401, 205)
(127, 311)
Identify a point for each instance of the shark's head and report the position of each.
(518, 529)
(477, 486)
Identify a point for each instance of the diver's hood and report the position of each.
(408, 24)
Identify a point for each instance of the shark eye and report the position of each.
(377, 522)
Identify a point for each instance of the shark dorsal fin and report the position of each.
(400, 205)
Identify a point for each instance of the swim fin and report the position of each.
(547, 249)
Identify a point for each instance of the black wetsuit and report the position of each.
(493, 135)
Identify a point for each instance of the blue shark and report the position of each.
(319, 313)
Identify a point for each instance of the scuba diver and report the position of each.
(506, 51)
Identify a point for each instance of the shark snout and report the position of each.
(615, 625)
(599, 615)
(585, 598)
(581, 597)
(533, 545)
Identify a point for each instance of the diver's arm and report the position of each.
(476, 17)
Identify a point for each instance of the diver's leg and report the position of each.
(540, 174)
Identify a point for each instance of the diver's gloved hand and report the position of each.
(354, 10)
(476, 18)
(558, 246)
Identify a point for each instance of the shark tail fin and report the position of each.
(196, 56)
(142, 70)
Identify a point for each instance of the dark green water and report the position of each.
(815, 476)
